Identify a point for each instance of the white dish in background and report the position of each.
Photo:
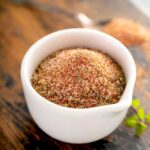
(69, 124)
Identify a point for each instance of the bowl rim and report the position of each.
(119, 106)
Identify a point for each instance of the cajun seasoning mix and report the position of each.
(79, 78)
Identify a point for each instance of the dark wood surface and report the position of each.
(20, 26)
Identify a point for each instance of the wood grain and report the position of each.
(20, 27)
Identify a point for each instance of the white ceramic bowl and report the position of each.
(69, 124)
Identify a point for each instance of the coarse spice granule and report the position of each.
(79, 78)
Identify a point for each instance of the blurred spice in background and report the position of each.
(127, 31)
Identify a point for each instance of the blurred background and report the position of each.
(22, 22)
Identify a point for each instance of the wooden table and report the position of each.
(20, 27)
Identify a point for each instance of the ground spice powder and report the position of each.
(128, 31)
(79, 78)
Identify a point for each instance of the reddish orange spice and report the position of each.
(128, 31)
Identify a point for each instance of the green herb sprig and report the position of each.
(139, 121)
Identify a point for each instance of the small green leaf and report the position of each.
(148, 118)
(135, 103)
(132, 121)
(141, 113)
(140, 128)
